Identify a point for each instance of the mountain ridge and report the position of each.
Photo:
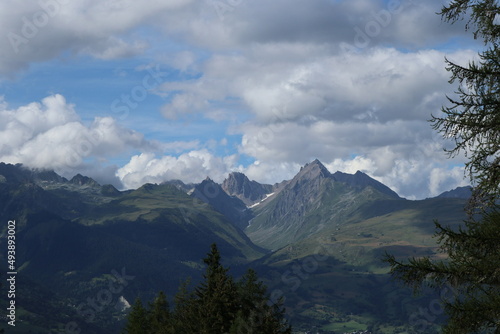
(333, 226)
(310, 202)
(250, 192)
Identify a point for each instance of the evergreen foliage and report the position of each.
(217, 305)
(472, 266)
(137, 319)
(159, 315)
(472, 269)
(473, 119)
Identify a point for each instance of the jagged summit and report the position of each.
(81, 180)
(313, 170)
(250, 192)
(230, 206)
(20, 173)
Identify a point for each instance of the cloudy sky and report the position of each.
(130, 92)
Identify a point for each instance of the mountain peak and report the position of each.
(81, 180)
(313, 170)
(237, 177)
(250, 192)
(231, 207)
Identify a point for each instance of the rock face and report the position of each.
(187, 188)
(81, 180)
(250, 192)
(361, 180)
(302, 193)
(231, 207)
(15, 174)
(313, 200)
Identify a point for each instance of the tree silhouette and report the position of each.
(217, 305)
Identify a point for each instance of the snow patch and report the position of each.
(262, 200)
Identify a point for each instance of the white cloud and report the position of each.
(443, 179)
(374, 106)
(281, 82)
(411, 178)
(51, 135)
(193, 166)
(281, 66)
(270, 172)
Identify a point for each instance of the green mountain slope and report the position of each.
(311, 202)
(72, 237)
(336, 278)
(328, 233)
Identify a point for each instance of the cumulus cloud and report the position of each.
(352, 83)
(279, 83)
(404, 155)
(373, 106)
(50, 135)
(413, 178)
(189, 167)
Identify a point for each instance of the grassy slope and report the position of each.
(161, 205)
(157, 233)
(276, 225)
(336, 278)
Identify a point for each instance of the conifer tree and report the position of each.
(472, 119)
(184, 319)
(137, 319)
(216, 297)
(473, 122)
(472, 268)
(159, 315)
(218, 305)
(257, 314)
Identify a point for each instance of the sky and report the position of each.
(129, 92)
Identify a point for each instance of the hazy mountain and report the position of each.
(81, 180)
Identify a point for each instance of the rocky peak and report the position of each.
(180, 185)
(231, 207)
(20, 174)
(81, 180)
(48, 176)
(15, 173)
(207, 189)
(313, 170)
(250, 192)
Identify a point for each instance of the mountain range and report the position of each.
(317, 240)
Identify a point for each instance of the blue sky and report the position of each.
(133, 92)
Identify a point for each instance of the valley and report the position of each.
(316, 240)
